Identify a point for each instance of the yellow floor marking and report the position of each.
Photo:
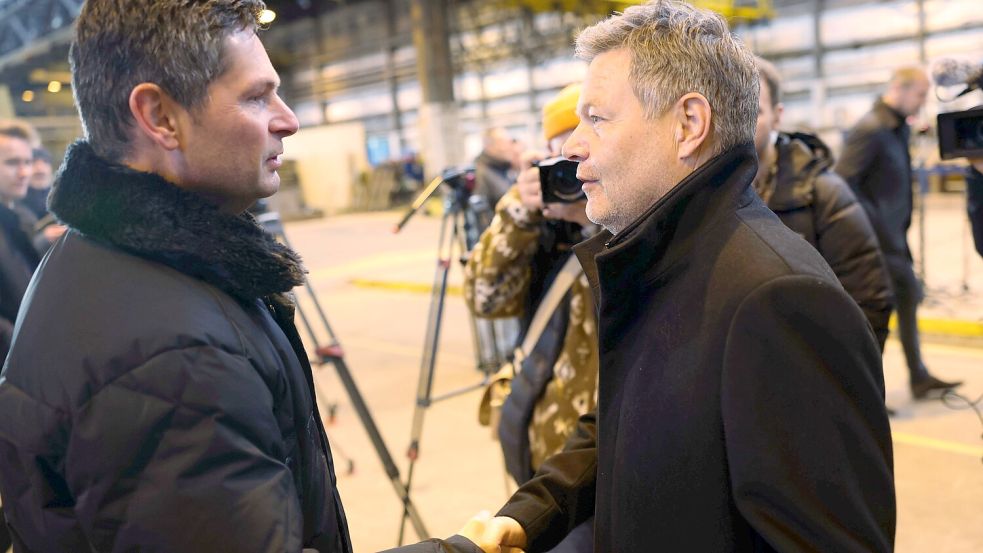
(939, 445)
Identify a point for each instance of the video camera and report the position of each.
(558, 180)
(960, 132)
(459, 178)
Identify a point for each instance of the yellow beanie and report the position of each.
(560, 113)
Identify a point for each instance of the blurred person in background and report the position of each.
(157, 396)
(796, 181)
(37, 198)
(493, 171)
(18, 253)
(37, 194)
(509, 271)
(20, 250)
(876, 164)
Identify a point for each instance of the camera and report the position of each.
(459, 178)
(558, 180)
(961, 134)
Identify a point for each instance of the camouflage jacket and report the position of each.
(497, 282)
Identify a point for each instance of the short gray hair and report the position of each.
(175, 44)
(677, 49)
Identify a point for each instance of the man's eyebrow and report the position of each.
(265, 84)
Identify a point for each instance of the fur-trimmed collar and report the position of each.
(143, 214)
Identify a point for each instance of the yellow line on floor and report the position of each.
(965, 329)
(398, 286)
(380, 261)
(938, 445)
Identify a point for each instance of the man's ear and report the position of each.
(155, 113)
(693, 116)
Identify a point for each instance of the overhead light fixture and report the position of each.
(27, 96)
(266, 17)
(54, 86)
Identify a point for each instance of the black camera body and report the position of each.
(558, 180)
(961, 134)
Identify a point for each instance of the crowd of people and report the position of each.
(705, 324)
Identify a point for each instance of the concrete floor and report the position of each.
(938, 451)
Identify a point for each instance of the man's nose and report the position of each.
(575, 148)
(285, 123)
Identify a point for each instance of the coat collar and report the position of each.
(801, 158)
(663, 236)
(147, 216)
(888, 116)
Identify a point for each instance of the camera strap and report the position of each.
(561, 284)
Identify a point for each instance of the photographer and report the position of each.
(510, 270)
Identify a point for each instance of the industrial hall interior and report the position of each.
(489, 276)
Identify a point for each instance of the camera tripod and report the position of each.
(460, 227)
(334, 354)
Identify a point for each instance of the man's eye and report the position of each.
(594, 118)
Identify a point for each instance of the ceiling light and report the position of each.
(54, 86)
(27, 96)
(266, 17)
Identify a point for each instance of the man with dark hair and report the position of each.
(875, 162)
(796, 181)
(157, 396)
(741, 394)
(18, 254)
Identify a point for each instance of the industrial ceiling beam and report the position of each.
(26, 22)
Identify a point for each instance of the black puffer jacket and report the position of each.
(157, 397)
(815, 202)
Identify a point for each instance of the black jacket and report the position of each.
(741, 399)
(18, 259)
(875, 162)
(815, 202)
(157, 396)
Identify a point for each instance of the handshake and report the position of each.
(482, 534)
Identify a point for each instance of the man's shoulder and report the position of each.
(95, 313)
(768, 249)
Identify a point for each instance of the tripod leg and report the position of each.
(445, 250)
(380, 446)
(334, 353)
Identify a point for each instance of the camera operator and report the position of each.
(510, 270)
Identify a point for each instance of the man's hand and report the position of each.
(530, 192)
(53, 232)
(495, 535)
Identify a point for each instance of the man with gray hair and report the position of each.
(740, 403)
(157, 396)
